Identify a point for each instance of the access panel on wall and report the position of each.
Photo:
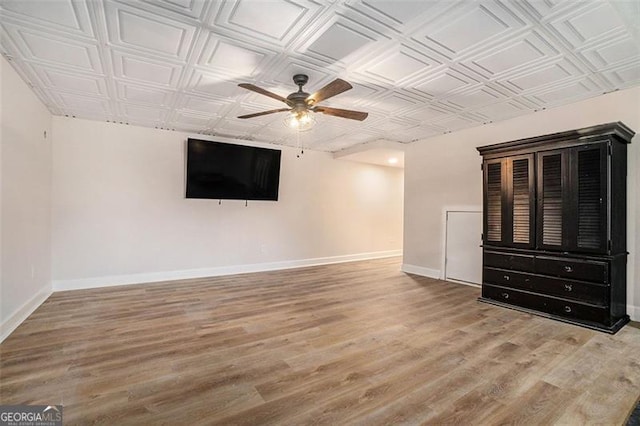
(554, 238)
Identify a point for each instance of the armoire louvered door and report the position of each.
(494, 195)
(572, 192)
(521, 199)
(509, 201)
(553, 199)
(555, 225)
(589, 172)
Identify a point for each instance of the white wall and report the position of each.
(25, 201)
(120, 215)
(445, 171)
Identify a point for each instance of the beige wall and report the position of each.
(445, 171)
(120, 213)
(25, 200)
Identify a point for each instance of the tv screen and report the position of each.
(226, 171)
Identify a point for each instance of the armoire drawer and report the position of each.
(519, 262)
(586, 270)
(550, 305)
(561, 287)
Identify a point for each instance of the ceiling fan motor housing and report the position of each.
(300, 79)
(299, 99)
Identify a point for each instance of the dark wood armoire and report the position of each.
(554, 238)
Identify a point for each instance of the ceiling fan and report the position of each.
(301, 104)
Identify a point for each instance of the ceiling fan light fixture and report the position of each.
(299, 120)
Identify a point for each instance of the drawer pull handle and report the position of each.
(568, 287)
(506, 277)
(568, 268)
(505, 295)
(567, 309)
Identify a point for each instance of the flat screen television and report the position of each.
(225, 171)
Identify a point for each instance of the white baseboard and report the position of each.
(15, 319)
(464, 283)
(633, 312)
(419, 270)
(115, 280)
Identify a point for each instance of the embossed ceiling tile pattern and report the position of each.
(340, 41)
(202, 105)
(518, 53)
(431, 113)
(541, 9)
(73, 82)
(273, 22)
(284, 72)
(233, 58)
(426, 131)
(417, 67)
(459, 122)
(629, 11)
(69, 16)
(195, 9)
(146, 95)
(238, 127)
(79, 105)
(272, 132)
(476, 97)
(588, 23)
(470, 26)
(144, 113)
(625, 76)
(571, 92)
(137, 68)
(187, 121)
(614, 52)
(409, 135)
(212, 84)
(396, 124)
(396, 14)
(393, 103)
(154, 34)
(321, 133)
(363, 136)
(508, 109)
(396, 64)
(537, 77)
(445, 83)
(52, 49)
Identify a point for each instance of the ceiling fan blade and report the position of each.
(258, 114)
(262, 91)
(344, 113)
(336, 87)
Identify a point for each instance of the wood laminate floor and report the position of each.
(355, 343)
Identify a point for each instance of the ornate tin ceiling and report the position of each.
(420, 68)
